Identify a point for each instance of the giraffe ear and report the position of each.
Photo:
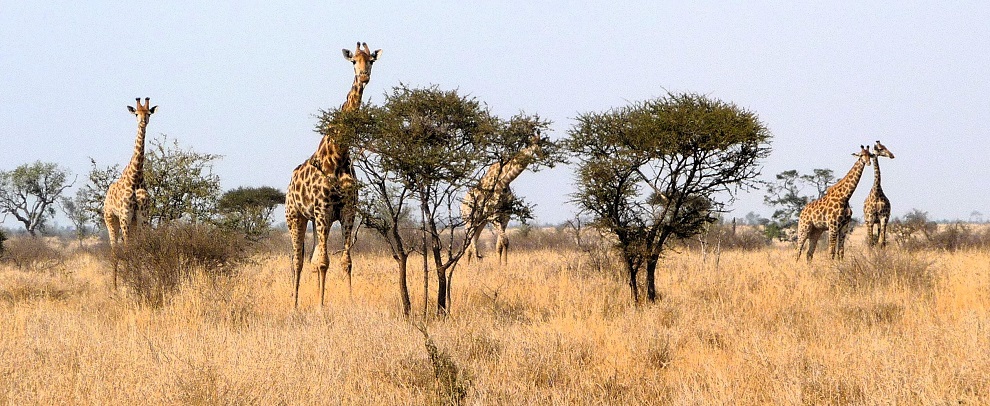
(131, 109)
(376, 54)
(348, 54)
(152, 109)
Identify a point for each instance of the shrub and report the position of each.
(32, 253)
(156, 262)
(883, 268)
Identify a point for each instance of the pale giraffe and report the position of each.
(125, 207)
(495, 199)
(323, 188)
(876, 208)
(831, 212)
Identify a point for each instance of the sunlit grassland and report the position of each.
(742, 327)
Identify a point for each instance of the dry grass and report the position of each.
(892, 328)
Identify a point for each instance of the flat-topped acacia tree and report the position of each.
(661, 169)
(426, 149)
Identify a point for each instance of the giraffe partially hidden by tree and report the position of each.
(831, 212)
(323, 188)
(876, 209)
(495, 200)
(125, 208)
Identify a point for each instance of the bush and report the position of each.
(3, 237)
(156, 263)
(884, 268)
(729, 237)
(31, 253)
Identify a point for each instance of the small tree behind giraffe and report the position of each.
(125, 208)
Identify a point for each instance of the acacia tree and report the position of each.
(432, 141)
(249, 210)
(425, 147)
(30, 192)
(659, 169)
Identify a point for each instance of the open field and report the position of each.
(753, 327)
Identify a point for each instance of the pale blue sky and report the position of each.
(244, 80)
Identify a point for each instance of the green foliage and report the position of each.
(30, 193)
(785, 193)
(249, 210)
(180, 183)
(654, 170)
(89, 198)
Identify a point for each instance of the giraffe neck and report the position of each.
(500, 175)
(354, 96)
(876, 174)
(331, 155)
(134, 171)
(845, 188)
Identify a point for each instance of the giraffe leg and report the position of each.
(882, 232)
(346, 228)
(113, 231)
(322, 234)
(833, 240)
(472, 252)
(297, 232)
(802, 237)
(502, 241)
(813, 236)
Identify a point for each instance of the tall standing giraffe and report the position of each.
(831, 212)
(125, 207)
(493, 196)
(323, 188)
(876, 208)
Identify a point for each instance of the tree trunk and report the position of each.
(401, 261)
(632, 269)
(651, 279)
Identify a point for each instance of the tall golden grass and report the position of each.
(753, 327)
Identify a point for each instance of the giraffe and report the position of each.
(831, 212)
(876, 208)
(494, 196)
(125, 207)
(323, 188)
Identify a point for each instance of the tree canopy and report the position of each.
(663, 168)
(30, 192)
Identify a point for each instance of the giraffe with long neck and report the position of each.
(323, 188)
(125, 207)
(876, 208)
(831, 212)
(494, 198)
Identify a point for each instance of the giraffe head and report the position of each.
(880, 150)
(362, 60)
(864, 155)
(142, 112)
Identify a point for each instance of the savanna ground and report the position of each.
(739, 327)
